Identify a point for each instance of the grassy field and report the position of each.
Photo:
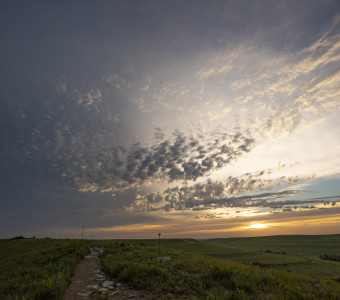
(193, 276)
(300, 254)
(244, 268)
(38, 268)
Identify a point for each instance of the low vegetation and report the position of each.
(192, 276)
(331, 257)
(273, 252)
(219, 269)
(38, 268)
(302, 253)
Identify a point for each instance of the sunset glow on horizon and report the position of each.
(258, 226)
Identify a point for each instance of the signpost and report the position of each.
(159, 245)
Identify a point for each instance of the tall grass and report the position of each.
(38, 269)
(191, 276)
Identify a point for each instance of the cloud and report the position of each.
(89, 98)
(220, 64)
(283, 92)
(180, 158)
(212, 196)
(243, 191)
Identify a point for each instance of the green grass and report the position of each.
(302, 252)
(219, 268)
(304, 245)
(38, 268)
(193, 276)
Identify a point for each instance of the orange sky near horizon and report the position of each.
(268, 225)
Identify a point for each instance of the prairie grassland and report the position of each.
(300, 254)
(192, 276)
(42, 268)
(38, 268)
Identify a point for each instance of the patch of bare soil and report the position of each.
(89, 282)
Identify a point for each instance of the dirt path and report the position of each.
(89, 282)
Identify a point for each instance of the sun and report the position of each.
(258, 226)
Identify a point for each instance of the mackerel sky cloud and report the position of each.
(197, 119)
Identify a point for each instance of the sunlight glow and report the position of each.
(258, 226)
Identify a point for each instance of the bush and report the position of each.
(19, 237)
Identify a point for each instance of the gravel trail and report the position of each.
(89, 282)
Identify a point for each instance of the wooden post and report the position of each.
(159, 245)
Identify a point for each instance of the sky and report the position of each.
(194, 119)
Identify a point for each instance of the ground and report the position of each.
(89, 282)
